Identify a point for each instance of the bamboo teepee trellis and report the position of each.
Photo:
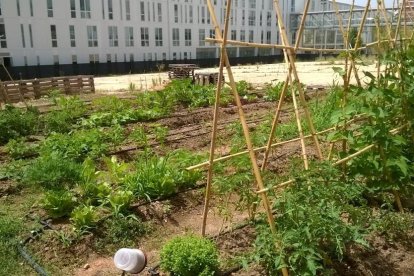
(291, 81)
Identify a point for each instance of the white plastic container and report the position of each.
(130, 260)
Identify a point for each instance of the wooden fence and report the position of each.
(12, 91)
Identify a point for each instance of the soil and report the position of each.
(190, 129)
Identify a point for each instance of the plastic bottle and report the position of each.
(130, 260)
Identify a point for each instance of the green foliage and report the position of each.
(59, 203)
(157, 176)
(18, 148)
(120, 201)
(161, 133)
(81, 144)
(139, 136)
(189, 255)
(84, 218)
(52, 171)
(393, 225)
(14, 170)
(274, 91)
(111, 104)
(120, 232)
(312, 225)
(10, 229)
(67, 112)
(243, 87)
(16, 122)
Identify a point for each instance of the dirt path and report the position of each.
(310, 73)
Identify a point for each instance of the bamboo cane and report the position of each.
(339, 162)
(256, 171)
(291, 56)
(215, 120)
(284, 90)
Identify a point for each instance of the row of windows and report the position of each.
(180, 15)
(92, 36)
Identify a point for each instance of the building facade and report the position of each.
(47, 32)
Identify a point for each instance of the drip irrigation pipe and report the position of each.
(21, 247)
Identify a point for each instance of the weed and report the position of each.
(52, 171)
(18, 148)
(15, 123)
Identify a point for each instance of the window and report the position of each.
(201, 37)
(74, 59)
(142, 8)
(233, 35)
(72, 36)
(187, 36)
(268, 37)
(128, 10)
(18, 7)
(108, 58)
(3, 41)
(212, 35)
(164, 56)
(191, 13)
(252, 18)
(53, 35)
(243, 17)
(269, 19)
(292, 7)
(31, 35)
(144, 37)
(252, 4)
(49, 8)
(159, 12)
(110, 10)
(0, 7)
(131, 57)
(85, 8)
(158, 36)
(92, 33)
(251, 36)
(129, 36)
(31, 7)
(72, 9)
(203, 15)
(113, 36)
(261, 19)
(175, 13)
(242, 35)
(22, 34)
(176, 36)
(174, 56)
(94, 58)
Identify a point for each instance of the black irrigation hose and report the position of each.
(29, 259)
(26, 255)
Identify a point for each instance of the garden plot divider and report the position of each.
(292, 82)
(13, 91)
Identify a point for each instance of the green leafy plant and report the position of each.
(84, 218)
(189, 255)
(16, 122)
(67, 112)
(120, 201)
(52, 171)
(18, 148)
(59, 203)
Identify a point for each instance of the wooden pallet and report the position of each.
(12, 91)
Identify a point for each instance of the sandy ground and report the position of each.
(310, 73)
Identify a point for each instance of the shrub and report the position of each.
(15, 122)
(52, 171)
(59, 203)
(189, 255)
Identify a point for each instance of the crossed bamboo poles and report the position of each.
(292, 80)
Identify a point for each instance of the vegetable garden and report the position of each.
(328, 195)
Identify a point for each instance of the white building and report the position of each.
(47, 32)
(65, 32)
